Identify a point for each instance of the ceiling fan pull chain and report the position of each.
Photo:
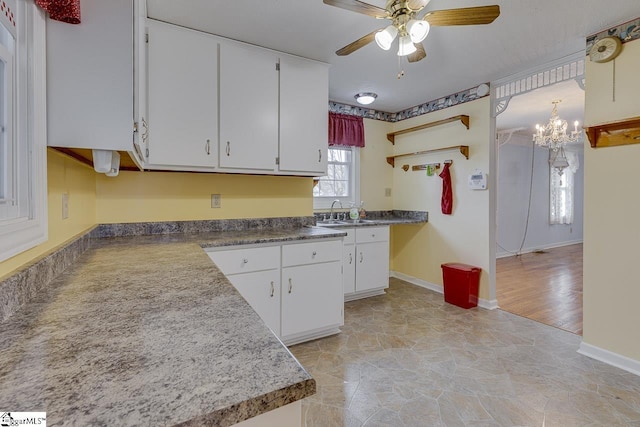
(400, 70)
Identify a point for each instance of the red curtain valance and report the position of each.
(62, 10)
(346, 130)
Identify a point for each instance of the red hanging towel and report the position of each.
(447, 192)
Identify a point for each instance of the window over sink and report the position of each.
(23, 155)
(342, 181)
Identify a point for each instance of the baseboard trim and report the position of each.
(538, 248)
(482, 303)
(610, 358)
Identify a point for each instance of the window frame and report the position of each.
(30, 228)
(324, 202)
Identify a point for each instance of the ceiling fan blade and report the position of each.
(360, 7)
(361, 42)
(417, 5)
(418, 55)
(464, 16)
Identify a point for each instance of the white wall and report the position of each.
(514, 177)
(612, 210)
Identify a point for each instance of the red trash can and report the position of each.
(461, 283)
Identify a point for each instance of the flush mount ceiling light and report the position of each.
(407, 26)
(366, 98)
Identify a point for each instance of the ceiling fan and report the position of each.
(405, 25)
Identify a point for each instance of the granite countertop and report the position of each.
(146, 330)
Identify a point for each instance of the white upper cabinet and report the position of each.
(304, 99)
(90, 78)
(248, 107)
(183, 93)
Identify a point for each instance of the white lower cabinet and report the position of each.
(365, 262)
(262, 290)
(296, 288)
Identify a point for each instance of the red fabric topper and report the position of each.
(345, 130)
(62, 10)
(447, 192)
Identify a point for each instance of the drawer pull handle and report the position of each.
(361, 258)
(319, 156)
(273, 289)
(245, 261)
(373, 235)
(228, 148)
(290, 285)
(207, 147)
(314, 253)
(350, 257)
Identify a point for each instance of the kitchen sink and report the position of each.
(344, 222)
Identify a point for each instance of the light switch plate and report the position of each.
(65, 205)
(216, 200)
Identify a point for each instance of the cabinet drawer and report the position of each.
(372, 234)
(246, 260)
(311, 253)
(350, 238)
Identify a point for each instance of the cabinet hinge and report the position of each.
(146, 38)
(135, 127)
(277, 160)
(277, 66)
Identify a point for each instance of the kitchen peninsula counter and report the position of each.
(146, 330)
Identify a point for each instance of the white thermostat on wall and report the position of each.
(478, 180)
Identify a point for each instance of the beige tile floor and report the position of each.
(409, 359)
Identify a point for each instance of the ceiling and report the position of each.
(527, 33)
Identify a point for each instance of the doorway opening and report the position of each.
(538, 257)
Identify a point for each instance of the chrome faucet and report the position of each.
(332, 205)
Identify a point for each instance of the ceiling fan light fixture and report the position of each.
(406, 46)
(418, 30)
(366, 98)
(385, 37)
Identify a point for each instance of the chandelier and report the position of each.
(553, 135)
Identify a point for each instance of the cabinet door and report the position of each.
(140, 111)
(372, 268)
(304, 100)
(312, 297)
(248, 108)
(183, 96)
(349, 269)
(90, 78)
(262, 292)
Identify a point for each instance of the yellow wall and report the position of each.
(375, 172)
(64, 175)
(175, 196)
(419, 250)
(612, 209)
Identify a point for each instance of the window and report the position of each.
(23, 192)
(341, 181)
(561, 200)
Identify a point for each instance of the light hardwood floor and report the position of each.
(546, 287)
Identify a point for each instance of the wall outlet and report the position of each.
(65, 205)
(216, 201)
(387, 192)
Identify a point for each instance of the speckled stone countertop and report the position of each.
(146, 330)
